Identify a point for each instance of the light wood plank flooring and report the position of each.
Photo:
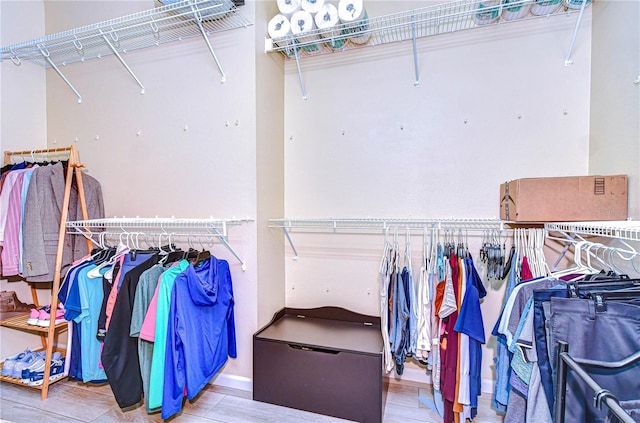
(76, 402)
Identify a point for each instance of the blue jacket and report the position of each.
(201, 331)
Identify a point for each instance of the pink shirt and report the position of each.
(11, 244)
(148, 329)
(113, 294)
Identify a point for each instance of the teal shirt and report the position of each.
(91, 295)
(156, 383)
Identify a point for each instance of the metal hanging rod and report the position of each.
(380, 225)
(174, 227)
(625, 230)
(175, 22)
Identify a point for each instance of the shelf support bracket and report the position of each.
(416, 83)
(293, 247)
(45, 54)
(222, 239)
(304, 92)
(567, 60)
(198, 17)
(113, 49)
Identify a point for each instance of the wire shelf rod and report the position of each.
(158, 222)
(625, 230)
(157, 15)
(380, 225)
(397, 27)
(139, 30)
(171, 227)
(385, 223)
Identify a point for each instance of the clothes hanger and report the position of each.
(578, 267)
(384, 261)
(121, 250)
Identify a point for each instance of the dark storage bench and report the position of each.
(326, 360)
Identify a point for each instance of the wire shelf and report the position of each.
(160, 223)
(417, 23)
(172, 228)
(177, 21)
(624, 230)
(382, 224)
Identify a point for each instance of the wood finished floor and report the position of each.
(76, 402)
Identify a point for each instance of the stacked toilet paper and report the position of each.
(312, 6)
(311, 20)
(289, 7)
(354, 17)
(326, 20)
(302, 26)
(279, 26)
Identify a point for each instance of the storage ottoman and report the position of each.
(325, 360)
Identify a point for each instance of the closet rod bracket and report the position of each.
(567, 60)
(117, 54)
(416, 83)
(293, 247)
(198, 19)
(304, 91)
(223, 239)
(45, 54)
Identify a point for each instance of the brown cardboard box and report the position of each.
(564, 199)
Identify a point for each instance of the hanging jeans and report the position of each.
(540, 297)
(609, 335)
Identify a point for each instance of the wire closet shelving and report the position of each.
(379, 225)
(625, 230)
(443, 18)
(167, 229)
(174, 22)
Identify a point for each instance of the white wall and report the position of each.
(186, 148)
(22, 127)
(615, 105)
(493, 104)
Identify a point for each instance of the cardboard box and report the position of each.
(564, 199)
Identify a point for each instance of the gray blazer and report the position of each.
(41, 221)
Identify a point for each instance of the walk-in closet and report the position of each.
(224, 210)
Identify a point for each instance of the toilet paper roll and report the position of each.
(326, 20)
(303, 27)
(289, 7)
(279, 26)
(353, 15)
(312, 6)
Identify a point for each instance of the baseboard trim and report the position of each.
(232, 381)
(414, 375)
(409, 375)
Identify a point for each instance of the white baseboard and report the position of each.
(409, 375)
(412, 374)
(232, 381)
